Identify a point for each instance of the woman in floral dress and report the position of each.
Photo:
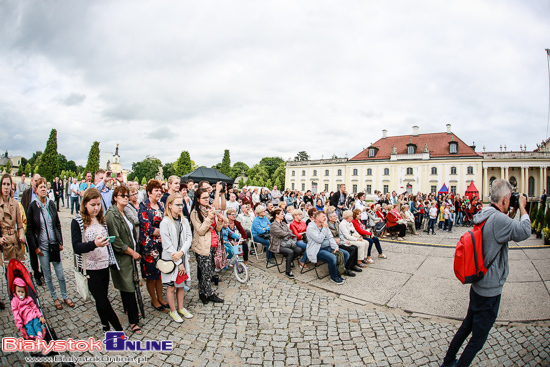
(151, 212)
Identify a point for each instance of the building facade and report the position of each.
(423, 162)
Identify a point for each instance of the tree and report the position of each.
(62, 162)
(8, 167)
(269, 184)
(28, 169)
(237, 169)
(271, 164)
(93, 159)
(226, 163)
(147, 169)
(279, 184)
(143, 181)
(168, 170)
(184, 164)
(217, 166)
(241, 183)
(301, 156)
(71, 166)
(49, 166)
(35, 160)
(279, 175)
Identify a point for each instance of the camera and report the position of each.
(514, 199)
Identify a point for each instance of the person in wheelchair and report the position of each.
(283, 241)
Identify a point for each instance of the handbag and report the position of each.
(265, 235)
(288, 242)
(304, 237)
(81, 281)
(168, 266)
(220, 257)
(340, 263)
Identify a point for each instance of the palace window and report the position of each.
(453, 148)
(339, 172)
(386, 189)
(372, 153)
(314, 172)
(434, 170)
(293, 173)
(369, 171)
(303, 172)
(326, 172)
(369, 189)
(386, 171)
(409, 171)
(470, 170)
(453, 170)
(355, 171)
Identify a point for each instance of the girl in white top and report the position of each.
(361, 205)
(176, 241)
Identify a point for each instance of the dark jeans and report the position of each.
(482, 313)
(74, 202)
(431, 225)
(98, 284)
(376, 242)
(266, 245)
(290, 255)
(328, 257)
(57, 201)
(448, 224)
(418, 220)
(352, 251)
(130, 305)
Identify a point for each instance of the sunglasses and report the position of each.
(124, 196)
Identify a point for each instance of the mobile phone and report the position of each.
(111, 238)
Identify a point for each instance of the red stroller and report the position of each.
(16, 269)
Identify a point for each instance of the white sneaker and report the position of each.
(370, 261)
(185, 313)
(176, 316)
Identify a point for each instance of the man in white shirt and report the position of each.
(275, 196)
(74, 188)
(233, 204)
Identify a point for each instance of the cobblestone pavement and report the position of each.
(274, 321)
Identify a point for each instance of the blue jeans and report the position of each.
(301, 244)
(482, 313)
(458, 219)
(264, 242)
(376, 242)
(33, 327)
(328, 257)
(431, 225)
(74, 202)
(46, 269)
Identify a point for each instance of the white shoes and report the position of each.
(185, 313)
(176, 316)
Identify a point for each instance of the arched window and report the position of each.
(513, 181)
(326, 172)
(314, 172)
(355, 171)
(453, 170)
(470, 170)
(386, 171)
(293, 173)
(303, 172)
(339, 172)
(409, 171)
(434, 170)
(491, 183)
(531, 191)
(369, 172)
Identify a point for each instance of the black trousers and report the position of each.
(130, 305)
(352, 261)
(482, 314)
(400, 228)
(290, 255)
(35, 265)
(98, 284)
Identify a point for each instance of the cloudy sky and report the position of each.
(268, 78)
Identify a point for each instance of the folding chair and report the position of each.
(315, 267)
(257, 247)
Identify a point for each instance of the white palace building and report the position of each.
(424, 162)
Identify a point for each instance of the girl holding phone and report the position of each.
(176, 241)
(95, 254)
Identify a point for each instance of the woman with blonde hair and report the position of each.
(298, 228)
(176, 235)
(173, 187)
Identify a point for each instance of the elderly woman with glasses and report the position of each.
(235, 226)
(124, 247)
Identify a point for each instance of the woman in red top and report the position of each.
(379, 212)
(298, 228)
(359, 227)
(392, 220)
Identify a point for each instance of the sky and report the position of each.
(269, 78)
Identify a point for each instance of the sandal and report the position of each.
(58, 304)
(303, 266)
(135, 329)
(382, 256)
(69, 303)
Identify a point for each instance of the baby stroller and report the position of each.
(16, 269)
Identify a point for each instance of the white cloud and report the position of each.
(269, 78)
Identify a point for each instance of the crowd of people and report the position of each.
(125, 232)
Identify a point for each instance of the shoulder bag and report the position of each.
(81, 281)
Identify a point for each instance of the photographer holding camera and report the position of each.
(499, 228)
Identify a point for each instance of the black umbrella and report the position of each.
(138, 289)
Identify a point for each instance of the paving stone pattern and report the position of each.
(274, 321)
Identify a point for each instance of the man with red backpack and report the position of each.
(485, 295)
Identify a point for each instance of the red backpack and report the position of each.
(468, 265)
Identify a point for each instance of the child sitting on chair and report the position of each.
(25, 312)
(230, 238)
